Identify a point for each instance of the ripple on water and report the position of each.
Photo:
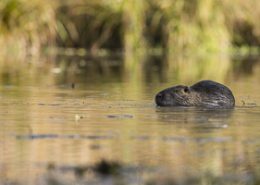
(64, 136)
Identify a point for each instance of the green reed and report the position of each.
(181, 27)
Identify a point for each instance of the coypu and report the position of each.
(205, 93)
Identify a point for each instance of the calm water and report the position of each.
(49, 129)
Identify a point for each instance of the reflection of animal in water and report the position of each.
(205, 93)
(196, 118)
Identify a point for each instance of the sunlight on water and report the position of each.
(50, 126)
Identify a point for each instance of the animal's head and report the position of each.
(175, 96)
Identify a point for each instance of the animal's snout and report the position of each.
(159, 98)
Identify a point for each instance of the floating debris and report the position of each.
(248, 103)
(78, 117)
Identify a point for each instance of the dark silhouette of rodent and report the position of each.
(206, 93)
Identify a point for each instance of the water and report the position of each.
(56, 120)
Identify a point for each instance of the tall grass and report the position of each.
(179, 26)
(89, 24)
(26, 26)
(242, 20)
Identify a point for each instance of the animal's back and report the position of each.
(214, 94)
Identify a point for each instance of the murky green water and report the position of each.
(49, 129)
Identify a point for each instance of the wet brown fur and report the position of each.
(202, 94)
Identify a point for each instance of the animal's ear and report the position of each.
(186, 89)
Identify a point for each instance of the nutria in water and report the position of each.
(205, 93)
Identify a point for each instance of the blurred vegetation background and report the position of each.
(174, 27)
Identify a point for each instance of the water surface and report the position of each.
(60, 118)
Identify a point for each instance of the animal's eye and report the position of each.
(186, 89)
